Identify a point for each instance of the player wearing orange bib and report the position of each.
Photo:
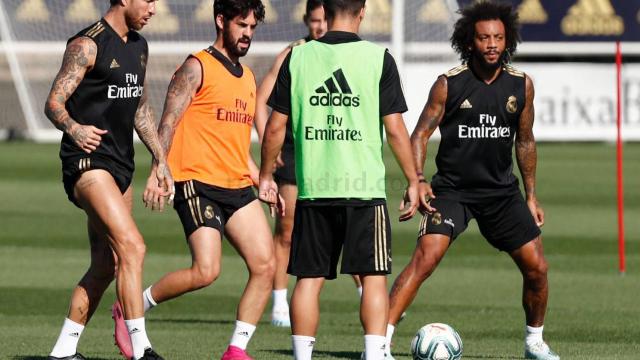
(206, 130)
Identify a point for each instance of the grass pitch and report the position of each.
(593, 311)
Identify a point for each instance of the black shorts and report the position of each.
(199, 204)
(73, 167)
(286, 174)
(322, 228)
(505, 222)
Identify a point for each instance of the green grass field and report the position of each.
(594, 313)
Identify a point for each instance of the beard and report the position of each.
(479, 58)
(233, 46)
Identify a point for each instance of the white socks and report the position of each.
(149, 303)
(138, 334)
(390, 330)
(534, 335)
(242, 334)
(302, 347)
(67, 343)
(280, 299)
(374, 347)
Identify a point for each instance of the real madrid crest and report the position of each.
(208, 212)
(512, 104)
(436, 219)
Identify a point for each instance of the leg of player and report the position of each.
(533, 266)
(249, 233)
(374, 314)
(109, 213)
(206, 248)
(86, 296)
(282, 240)
(357, 283)
(430, 249)
(305, 315)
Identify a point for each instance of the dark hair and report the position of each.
(229, 9)
(465, 28)
(351, 7)
(312, 5)
(114, 2)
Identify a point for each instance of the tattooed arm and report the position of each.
(526, 153)
(430, 118)
(182, 89)
(160, 178)
(79, 58)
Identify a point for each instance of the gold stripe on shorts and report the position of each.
(186, 190)
(384, 239)
(423, 225)
(375, 239)
(199, 209)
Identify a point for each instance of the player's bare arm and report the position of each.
(183, 87)
(398, 139)
(145, 126)
(431, 116)
(78, 59)
(526, 153)
(271, 145)
(264, 91)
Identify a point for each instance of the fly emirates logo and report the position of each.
(486, 130)
(131, 90)
(238, 115)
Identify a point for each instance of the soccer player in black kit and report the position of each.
(480, 107)
(97, 99)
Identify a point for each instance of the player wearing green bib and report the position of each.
(340, 93)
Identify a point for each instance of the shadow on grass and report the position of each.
(32, 357)
(492, 357)
(191, 321)
(334, 354)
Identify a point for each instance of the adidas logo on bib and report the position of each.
(331, 95)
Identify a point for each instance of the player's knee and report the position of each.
(538, 272)
(283, 239)
(265, 267)
(131, 250)
(204, 275)
(424, 264)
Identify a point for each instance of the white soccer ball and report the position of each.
(436, 342)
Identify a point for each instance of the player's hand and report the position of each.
(536, 211)
(159, 187)
(165, 180)
(409, 203)
(268, 193)
(425, 194)
(87, 137)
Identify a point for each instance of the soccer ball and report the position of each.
(436, 342)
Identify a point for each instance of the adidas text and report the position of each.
(329, 99)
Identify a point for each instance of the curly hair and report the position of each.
(229, 9)
(464, 29)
